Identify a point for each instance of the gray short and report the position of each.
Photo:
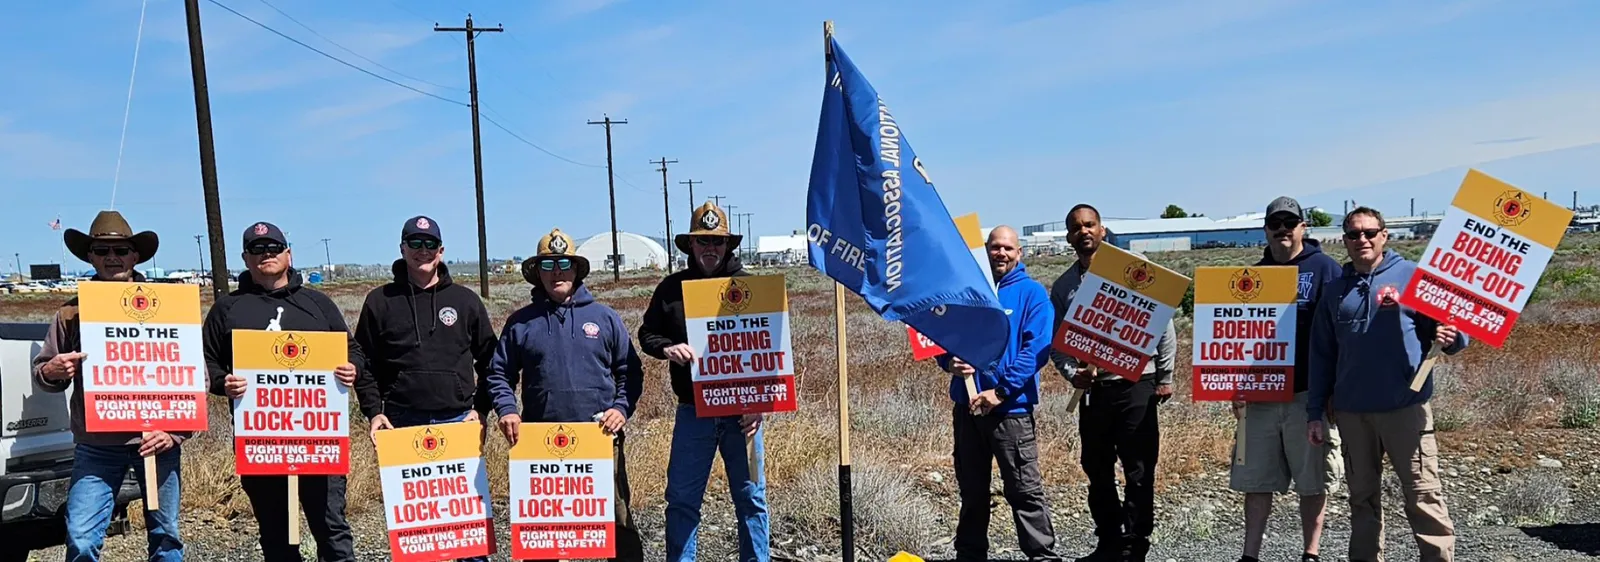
(1277, 452)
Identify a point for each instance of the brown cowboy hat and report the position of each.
(708, 220)
(109, 225)
(556, 244)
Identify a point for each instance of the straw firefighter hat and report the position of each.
(708, 220)
(109, 226)
(556, 244)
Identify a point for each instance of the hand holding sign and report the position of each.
(346, 374)
(511, 427)
(235, 385)
(681, 353)
(1446, 335)
(62, 367)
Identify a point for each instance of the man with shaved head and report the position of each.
(998, 423)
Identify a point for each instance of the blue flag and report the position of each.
(877, 226)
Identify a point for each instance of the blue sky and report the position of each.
(1018, 110)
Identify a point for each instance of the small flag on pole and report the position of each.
(55, 224)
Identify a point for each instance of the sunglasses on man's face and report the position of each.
(1370, 234)
(551, 265)
(260, 249)
(103, 251)
(420, 243)
(1276, 223)
(708, 241)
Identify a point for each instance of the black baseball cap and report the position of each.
(263, 232)
(1284, 205)
(420, 226)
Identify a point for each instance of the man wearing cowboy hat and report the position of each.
(696, 440)
(272, 296)
(574, 360)
(101, 459)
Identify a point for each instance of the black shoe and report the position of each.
(1306, 557)
(1134, 549)
(1248, 559)
(1109, 550)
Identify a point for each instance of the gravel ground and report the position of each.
(1508, 504)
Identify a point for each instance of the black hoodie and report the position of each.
(427, 349)
(254, 307)
(663, 324)
(1316, 268)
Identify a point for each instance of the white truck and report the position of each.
(36, 447)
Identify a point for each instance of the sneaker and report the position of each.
(1134, 549)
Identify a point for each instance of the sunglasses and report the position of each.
(709, 241)
(420, 243)
(551, 265)
(259, 249)
(1276, 223)
(1370, 234)
(108, 250)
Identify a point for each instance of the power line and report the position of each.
(358, 55)
(334, 58)
(535, 146)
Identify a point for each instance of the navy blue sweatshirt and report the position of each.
(1316, 269)
(1029, 310)
(574, 360)
(1366, 346)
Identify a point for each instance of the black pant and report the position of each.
(322, 501)
(1010, 440)
(1117, 421)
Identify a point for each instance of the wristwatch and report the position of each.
(1000, 392)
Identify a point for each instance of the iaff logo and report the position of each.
(1245, 285)
(139, 304)
(1138, 275)
(428, 444)
(1388, 295)
(289, 351)
(1511, 208)
(558, 245)
(591, 330)
(736, 297)
(710, 220)
(560, 441)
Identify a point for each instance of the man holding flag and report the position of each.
(873, 218)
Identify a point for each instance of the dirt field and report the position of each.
(1516, 425)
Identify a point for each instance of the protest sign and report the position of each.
(739, 329)
(1486, 257)
(435, 492)
(563, 496)
(1244, 328)
(1120, 311)
(144, 369)
(923, 347)
(294, 417)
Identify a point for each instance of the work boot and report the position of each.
(1134, 548)
(1108, 550)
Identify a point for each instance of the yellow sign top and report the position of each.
(1504, 206)
(1276, 284)
(108, 302)
(429, 444)
(1140, 275)
(261, 350)
(562, 441)
(732, 296)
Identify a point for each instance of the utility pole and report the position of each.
(327, 271)
(611, 181)
(732, 218)
(1574, 200)
(718, 199)
(666, 205)
(19, 265)
(1413, 206)
(202, 250)
(208, 155)
(477, 145)
(745, 229)
(691, 195)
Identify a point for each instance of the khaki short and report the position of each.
(1277, 452)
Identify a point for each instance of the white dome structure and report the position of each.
(638, 252)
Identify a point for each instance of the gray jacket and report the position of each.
(1061, 293)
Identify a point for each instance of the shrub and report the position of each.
(1538, 498)
(891, 515)
(1506, 400)
(1579, 390)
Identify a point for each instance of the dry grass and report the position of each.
(1543, 378)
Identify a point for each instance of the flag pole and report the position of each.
(846, 508)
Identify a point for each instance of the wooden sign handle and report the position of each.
(754, 464)
(152, 485)
(1239, 440)
(972, 390)
(294, 510)
(1424, 370)
(1077, 393)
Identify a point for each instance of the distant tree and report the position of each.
(1174, 212)
(1320, 218)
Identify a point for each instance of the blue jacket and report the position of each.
(1030, 312)
(1316, 269)
(1365, 346)
(574, 360)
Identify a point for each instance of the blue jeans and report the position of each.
(695, 441)
(97, 473)
(399, 417)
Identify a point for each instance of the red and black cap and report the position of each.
(263, 232)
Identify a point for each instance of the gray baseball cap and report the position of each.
(1285, 205)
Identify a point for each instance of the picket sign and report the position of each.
(1117, 316)
(1484, 261)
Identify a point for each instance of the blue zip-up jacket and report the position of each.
(1365, 346)
(574, 360)
(1028, 308)
(1316, 269)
